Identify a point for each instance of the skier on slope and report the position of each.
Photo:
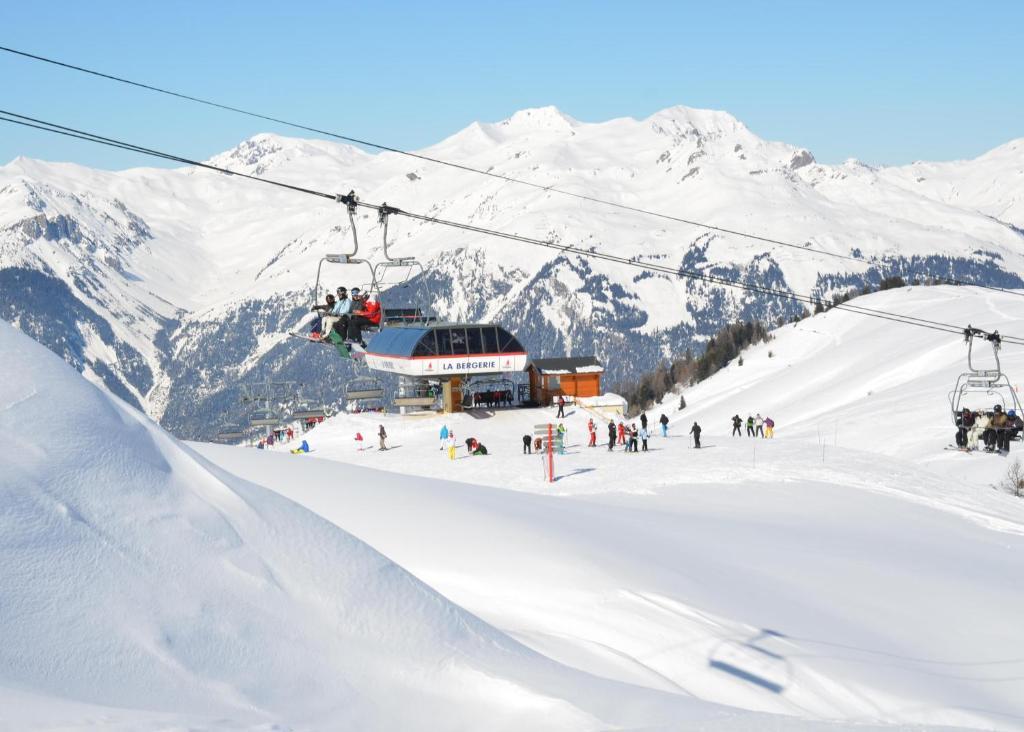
(759, 425)
(643, 420)
(444, 436)
(611, 435)
(383, 436)
(769, 428)
(737, 422)
(644, 434)
(592, 431)
(695, 431)
(663, 420)
(634, 434)
(561, 433)
(526, 445)
(750, 426)
(622, 433)
(561, 407)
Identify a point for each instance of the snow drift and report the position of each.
(133, 575)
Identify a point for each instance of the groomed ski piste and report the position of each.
(848, 574)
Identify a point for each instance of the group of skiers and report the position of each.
(757, 426)
(382, 437)
(348, 314)
(284, 434)
(634, 438)
(493, 398)
(448, 442)
(994, 429)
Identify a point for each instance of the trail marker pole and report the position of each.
(546, 432)
(551, 454)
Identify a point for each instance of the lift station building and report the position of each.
(443, 354)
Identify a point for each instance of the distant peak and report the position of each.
(549, 117)
(709, 120)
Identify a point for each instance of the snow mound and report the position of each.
(137, 576)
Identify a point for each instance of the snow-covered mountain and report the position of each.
(172, 286)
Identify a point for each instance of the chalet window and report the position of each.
(554, 382)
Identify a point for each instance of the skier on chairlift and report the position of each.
(366, 315)
(321, 310)
(337, 316)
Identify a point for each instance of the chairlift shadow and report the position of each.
(577, 471)
(750, 662)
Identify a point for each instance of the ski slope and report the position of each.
(849, 569)
(150, 585)
(143, 588)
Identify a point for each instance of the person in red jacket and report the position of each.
(622, 433)
(367, 313)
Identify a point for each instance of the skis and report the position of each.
(344, 348)
(981, 450)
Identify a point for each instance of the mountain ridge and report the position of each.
(218, 268)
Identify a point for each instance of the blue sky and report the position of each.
(885, 82)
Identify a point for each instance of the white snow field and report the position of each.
(876, 579)
(150, 585)
(142, 588)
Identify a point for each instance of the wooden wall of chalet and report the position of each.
(576, 385)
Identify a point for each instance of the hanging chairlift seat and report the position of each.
(263, 419)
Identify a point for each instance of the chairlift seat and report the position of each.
(365, 394)
(414, 401)
(308, 413)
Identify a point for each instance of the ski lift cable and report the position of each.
(45, 126)
(465, 168)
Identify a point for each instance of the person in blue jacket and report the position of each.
(337, 315)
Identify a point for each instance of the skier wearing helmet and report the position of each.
(338, 315)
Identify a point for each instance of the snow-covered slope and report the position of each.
(143, 588)
(869, 579)
(992, 184)
(197, 275)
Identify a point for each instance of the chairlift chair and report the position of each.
(414, 393)
(416, 312)
(989, 381)
(485, 384)
(364, 388)
(263, 418)
(230, 432)
(308, 410)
